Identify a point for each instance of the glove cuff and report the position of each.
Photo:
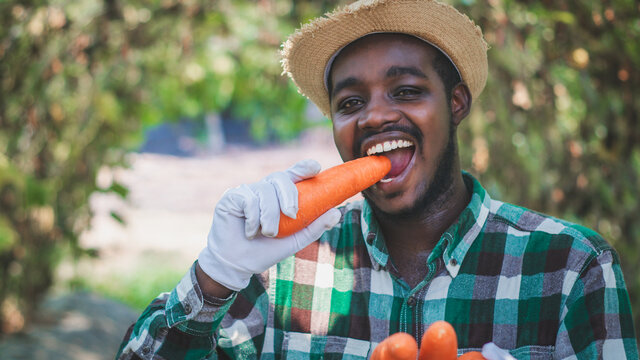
(222, 271)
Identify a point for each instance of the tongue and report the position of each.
(399, 160)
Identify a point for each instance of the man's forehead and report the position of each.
(390, 41)
(393, 44)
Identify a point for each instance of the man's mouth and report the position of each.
(399, 152)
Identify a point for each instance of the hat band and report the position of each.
(333, 57)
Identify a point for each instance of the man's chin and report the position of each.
(419, 204)
(396, 210)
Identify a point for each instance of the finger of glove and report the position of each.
(287, 193)
(269, 208)
(242, 202)
(303, 170)
(313, 232)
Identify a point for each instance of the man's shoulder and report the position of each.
(521, 222)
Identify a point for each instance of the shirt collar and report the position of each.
(373, 238)
(454, 242)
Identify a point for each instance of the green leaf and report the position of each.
(117, 217)
(8, 235)
(119, 189)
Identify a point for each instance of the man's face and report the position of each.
(386, 94)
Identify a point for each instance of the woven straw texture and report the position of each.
(307, 51)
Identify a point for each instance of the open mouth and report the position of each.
(398, 151)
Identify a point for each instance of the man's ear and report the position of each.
(460, 103)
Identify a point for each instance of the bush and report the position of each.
(80, 80)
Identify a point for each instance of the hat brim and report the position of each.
(307, 52)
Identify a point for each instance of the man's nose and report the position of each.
(379, 112)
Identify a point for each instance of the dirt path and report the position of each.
(76, 326)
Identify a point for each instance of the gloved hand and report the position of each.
(241, 243)
(491, 351)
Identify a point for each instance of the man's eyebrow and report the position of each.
(350, 81)
(402, 70)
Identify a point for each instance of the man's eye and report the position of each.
(350, 103)
(407, 92)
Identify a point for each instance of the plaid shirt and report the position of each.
(538, 286)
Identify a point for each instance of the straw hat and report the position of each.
(308, 53)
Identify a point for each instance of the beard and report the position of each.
(436, 191)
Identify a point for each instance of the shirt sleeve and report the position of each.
(176, 325)
(596, 322)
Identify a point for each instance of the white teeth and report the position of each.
(386, 180)
(388, 146)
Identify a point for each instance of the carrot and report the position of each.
(330, 188)
(399, 346)
(472, 355)
(439, 342)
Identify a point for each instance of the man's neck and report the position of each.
(410, 241)
(422, 231)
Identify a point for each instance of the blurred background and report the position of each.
(122, 122)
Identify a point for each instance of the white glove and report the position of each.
(491, 351)
(241, 243)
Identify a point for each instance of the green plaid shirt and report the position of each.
(535, 285)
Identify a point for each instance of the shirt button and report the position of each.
(187, 309)
(411, 301)
(370, 237)
(146, 350)
(453, 262)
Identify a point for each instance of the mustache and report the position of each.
(411, 130)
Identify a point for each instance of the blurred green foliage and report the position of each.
(556, 129)
(79, 80)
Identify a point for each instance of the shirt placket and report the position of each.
(411, 303)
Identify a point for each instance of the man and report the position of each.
(397, 78)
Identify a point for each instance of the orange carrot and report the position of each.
(472, 355)
(399, 346)
(439, 342)
(330, 188)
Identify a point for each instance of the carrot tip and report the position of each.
(332, 187)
